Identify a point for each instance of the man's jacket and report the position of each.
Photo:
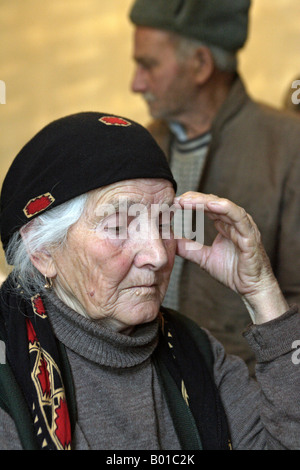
(253, 160)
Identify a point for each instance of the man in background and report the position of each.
(218, 140)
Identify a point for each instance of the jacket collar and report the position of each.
(235, 100)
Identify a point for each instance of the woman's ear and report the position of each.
(42, 260)
(44, 263)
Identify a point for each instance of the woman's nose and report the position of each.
(151, 253)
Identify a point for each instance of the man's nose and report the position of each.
(138, 84)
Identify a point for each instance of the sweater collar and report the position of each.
(99, 344)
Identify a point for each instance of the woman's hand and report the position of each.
(237, 257)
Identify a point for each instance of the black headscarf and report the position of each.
(72, 156)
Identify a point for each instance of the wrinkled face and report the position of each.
(112, 264)
(165, 82)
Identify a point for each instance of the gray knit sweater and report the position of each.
(119, 400)
(120, 403)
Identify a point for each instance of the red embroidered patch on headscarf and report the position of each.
(114, 121)
(38, 204)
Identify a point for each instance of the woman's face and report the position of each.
(116, 263)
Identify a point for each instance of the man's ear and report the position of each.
(203, 65)
(42, 260)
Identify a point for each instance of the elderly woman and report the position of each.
(93, 360)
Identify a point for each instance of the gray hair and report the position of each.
(224, 60)
(48, 230)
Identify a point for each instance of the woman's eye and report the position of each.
(166, 229)
(121, 230)
(117, 230)
(114, 227)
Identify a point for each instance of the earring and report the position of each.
(48, 282)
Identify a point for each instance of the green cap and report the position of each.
(222, 23)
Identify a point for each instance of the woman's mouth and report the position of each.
(142, 289)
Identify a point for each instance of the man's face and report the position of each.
(112, 267)
(165, 82)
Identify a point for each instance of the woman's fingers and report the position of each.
(237, 257)
(220, 209)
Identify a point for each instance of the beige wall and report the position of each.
(63, 56)
(271, 59)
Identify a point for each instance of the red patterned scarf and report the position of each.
(33, 355)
